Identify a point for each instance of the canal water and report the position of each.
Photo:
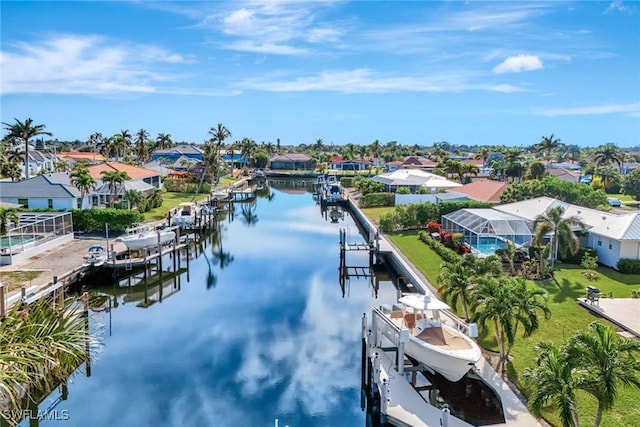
(258, 330)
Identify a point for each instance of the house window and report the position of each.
(599, 242)
(24, 202)
(50, 203)
(610, 246)
(80, 203)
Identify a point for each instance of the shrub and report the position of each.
(444, 252)
(388, 222)
(403, 190)
(346, 181)
(629, 266)
(184, 185)
(94, 220)
(377, 200)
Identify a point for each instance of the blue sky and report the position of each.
(347, 72)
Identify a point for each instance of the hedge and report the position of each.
(377, 200)
(416, 215)
(346, 181)
(629, 266)
(94, 220)
(445, 253)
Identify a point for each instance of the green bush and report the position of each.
(629, 266)
(346, 181)
(94, 220)
(389, 222)
(416, 215)
(444, 252)
(578, 256)
(403, 190)
(377, 200)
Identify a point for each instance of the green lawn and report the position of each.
(567, 317)
(169, 201)
(374, 214)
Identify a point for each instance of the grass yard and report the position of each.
(374, 214)
(567, 317)
(14, 280)
(169, 201)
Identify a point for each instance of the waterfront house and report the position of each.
(414, 179)
(170, 155)
(135, 173)
(612, 236)
(291, 161)
(484, 190)
(350, 165)
(42, 191)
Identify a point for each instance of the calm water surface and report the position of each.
(267, 337)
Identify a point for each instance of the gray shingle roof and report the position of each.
(37, 187)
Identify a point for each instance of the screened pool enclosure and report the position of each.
(486, 230)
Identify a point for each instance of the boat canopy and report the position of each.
(423, 302)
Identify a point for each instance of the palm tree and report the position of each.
(552, 383)
(528, 301)
(82, 180)
(114, 179)
(41, 347)
(24, 131)
(142, 145)
(376, 149)
(319, 145)
(6, 216)
(349, 151)
(547, 144)
(536, 170)
(609, 360)
(248, 148)
(561, 230)
(12, 170)
(134, 197)
(153, 197)
(483, 154)
(95, 140)
(163, 141)
(455, 280)
(607, 154)
(492, 303)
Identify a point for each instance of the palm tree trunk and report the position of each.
(500, 344)
(464, 308)
(596, 422)
(26, 158)
(555, 249)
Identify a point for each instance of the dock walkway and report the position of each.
(624, 312)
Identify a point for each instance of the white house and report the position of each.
(612, 236)
(40, 192)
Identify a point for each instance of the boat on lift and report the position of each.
(436, 344)
(147, 239)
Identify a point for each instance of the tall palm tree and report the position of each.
(248, 148)
(553, 383)
(546, 145)
(376, 150)
(134, 197)
(483, 154)
(7, 216)
(82, 180)
(124, 141)
(492, 303)
(561, 229)
(153, 197)
(319, 145)
(455, 280)
(24, 131)
(607, 154)
(609, 361)
(142, 145)
(114, 179)
(349, 151)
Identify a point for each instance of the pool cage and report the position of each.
(35, 229)
(486, 230)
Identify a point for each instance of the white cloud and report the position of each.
(74, 64)
(364, 80)
(518, 63)
(631, 109)
(619, 6)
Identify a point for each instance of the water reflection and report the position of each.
(257, 330)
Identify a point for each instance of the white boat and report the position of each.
(186, 215)
(96, 257)
(440, 346)
(147, 238)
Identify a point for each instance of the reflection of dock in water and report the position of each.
(146, 292)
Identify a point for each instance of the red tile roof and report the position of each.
(483, 191)
(81, 155)
(134, 172)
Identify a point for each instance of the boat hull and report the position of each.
(144, 240)
(453, 365)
